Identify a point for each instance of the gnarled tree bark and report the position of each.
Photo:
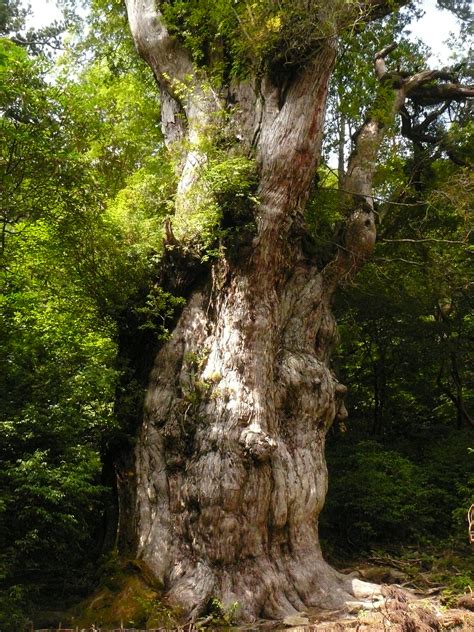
(229, 473)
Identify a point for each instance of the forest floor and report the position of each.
(421, 593)
(395, 615)
(399, 611)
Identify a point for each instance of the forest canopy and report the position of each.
(108, 235)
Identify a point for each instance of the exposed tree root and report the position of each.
(272, 590)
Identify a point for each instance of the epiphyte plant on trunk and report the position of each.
(229, 472)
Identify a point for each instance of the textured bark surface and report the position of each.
(230, 462)
(230, 475)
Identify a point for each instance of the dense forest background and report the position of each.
(86, 189)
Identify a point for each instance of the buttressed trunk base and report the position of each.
(230, 460)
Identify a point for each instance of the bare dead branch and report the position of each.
(379, 62)
(400, 260)
(424, 240)
(470, 518)
(375, 9)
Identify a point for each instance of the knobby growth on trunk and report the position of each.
(229, 474)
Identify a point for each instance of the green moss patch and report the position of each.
(131, 597)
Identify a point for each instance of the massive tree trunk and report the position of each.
(229, 471)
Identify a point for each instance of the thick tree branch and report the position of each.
(182, 91)
(187, 100)
(418, 133)
(434, 94)
(360, 232)
(422, 88)
(426, 76)
(168, 59)
(431, 118)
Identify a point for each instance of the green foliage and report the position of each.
(67, 154)
(12, 16)
(86, 188)
(323, 214)
(57, 367)
(408, 494)
(405, 328)
(218, 615)
(219, 205)
(236, 36)
(201, 26)
(383, 500)
(118, 116)
(36, 140)
(12, 608)
(159, 308)
(139, 208)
